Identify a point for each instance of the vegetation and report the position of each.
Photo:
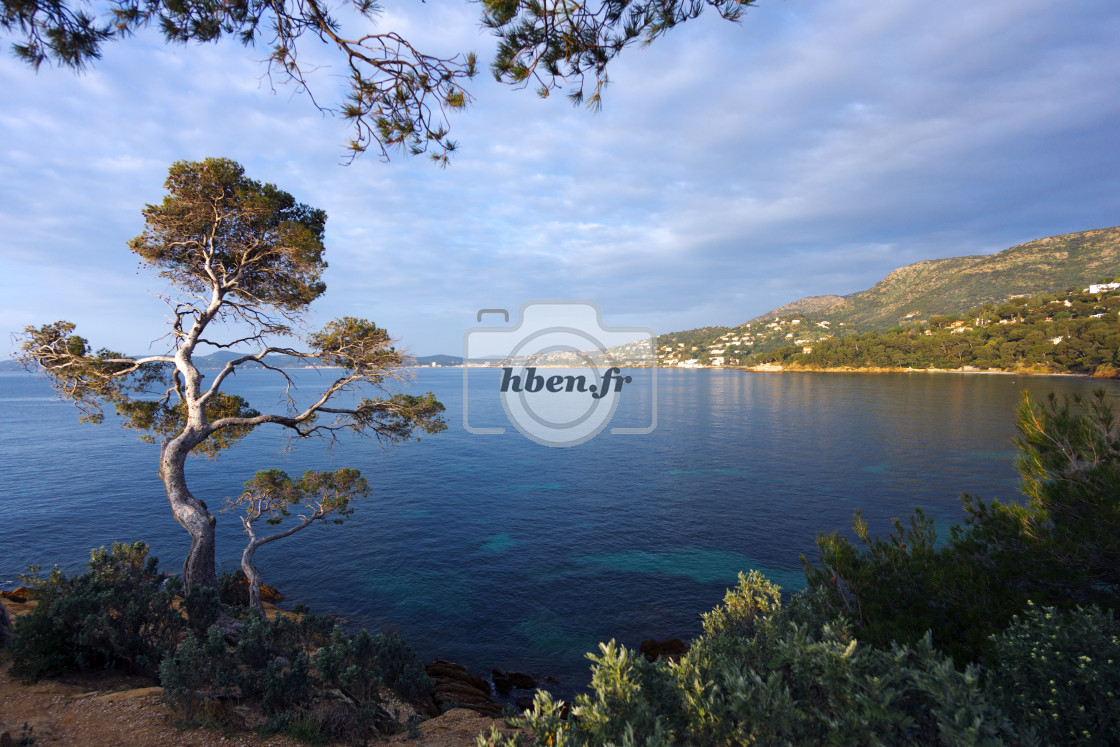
(1062, 548)
(399, 97)
(1057, 672)
(245, 262)
(124, 614)
(272, 664)
(1076, 332)
(764, 673)
(118, 614)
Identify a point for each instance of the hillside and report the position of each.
(1076, 332)
(910, 295)
(957, 284)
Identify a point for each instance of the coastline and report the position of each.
(778, 368)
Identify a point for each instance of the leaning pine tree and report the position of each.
(244, 260)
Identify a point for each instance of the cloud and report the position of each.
(810, 149)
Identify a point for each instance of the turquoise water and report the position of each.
(495, 551)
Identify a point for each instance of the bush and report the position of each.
(196, 674)
(764, 674)
(1059, 674)
(120, 613)
(268, 662)
(361, 665)
(1062, 548)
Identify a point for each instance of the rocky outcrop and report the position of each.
(456, 686)
(22, 595)
(506, 681)
(670, 649)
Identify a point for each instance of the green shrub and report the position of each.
(1059, 674)
(196, 674)
(233, 589)
(268, 662)
(120, 613)
(361, 665)
(203, 608)
(1060, 548)
(764, 674)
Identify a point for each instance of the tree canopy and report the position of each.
(399, 97)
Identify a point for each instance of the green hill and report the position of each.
(957, 284)
(910, 295)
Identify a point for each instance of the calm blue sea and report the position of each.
(495, 551)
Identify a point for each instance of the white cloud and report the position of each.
(810, 149)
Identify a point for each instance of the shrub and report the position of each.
(1062, 548)
(120, 613)
(764, 674)
(196, 674)
(1059, 674)
(361, 665)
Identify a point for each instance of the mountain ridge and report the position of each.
(953, 285)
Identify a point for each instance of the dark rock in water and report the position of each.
(502, 682)
(670, 649)
(525, 703)
(506, 681)
(454, 684)
(522, 681)
(442, 669)
(552, 680)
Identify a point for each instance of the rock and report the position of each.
(441, 669)
(505, 681)
(270, 594)
(455, 685)
(552, 680)
(670, 649)
(5, 737)
(502, 682)
(522, 681)
(230, 628)
(525, 703)
(21, 595)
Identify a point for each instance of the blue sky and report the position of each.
(810, 149)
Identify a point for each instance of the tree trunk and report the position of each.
(252, 575)
(192, 514)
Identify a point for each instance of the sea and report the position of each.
(495, 551)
